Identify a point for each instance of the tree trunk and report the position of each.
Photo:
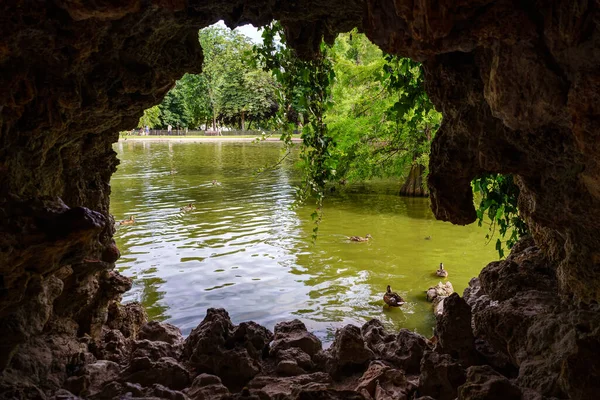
(243, 125)
(413, 186)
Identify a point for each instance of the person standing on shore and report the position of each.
(169, 129)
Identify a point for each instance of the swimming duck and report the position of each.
(216, 182)
(187, 208)
(441, 272)
(427, 237)
(360, 238)
(392, 299)
(129, 221)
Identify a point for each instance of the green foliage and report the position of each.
(150, 118)
(499, 195)
(305, 95)
(230, 89)
(383, 120)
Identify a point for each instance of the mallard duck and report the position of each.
(187, 208)
(216, 182)
(129, 221)
(392, 299)
(360, 238)
(441, 272)
(427, 237)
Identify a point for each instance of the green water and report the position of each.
(244, 249)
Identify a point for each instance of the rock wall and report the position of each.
(518, 84)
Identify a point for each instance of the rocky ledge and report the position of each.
(509, 337)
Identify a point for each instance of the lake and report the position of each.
(245, 249)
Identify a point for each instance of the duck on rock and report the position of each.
(442, 272)
(360, 238)
(392, 299)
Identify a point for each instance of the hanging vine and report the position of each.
(304, 91)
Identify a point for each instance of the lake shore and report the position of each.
(200, 139)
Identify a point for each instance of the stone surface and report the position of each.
(381, 382)
(293, 334)
(454, 332)
(348, 352)
(206, 387)
(518, 85)
(160, 331)
(290, 387)
(483, 383)
(440, 290)
(404, 349)
(233, 353)
(440, 376)
(166, 371)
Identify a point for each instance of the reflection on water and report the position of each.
(244, 249)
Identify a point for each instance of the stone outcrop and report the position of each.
(518, 84)
(231, 352)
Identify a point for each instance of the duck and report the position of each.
(442, 272)
(187, 208)
(360, 238)
(427, 237)
(392, 299)
(216, 182)
(129, 221)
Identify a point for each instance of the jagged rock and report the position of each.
(161, 392)
(119, 390)
(404, 350)
(440, 376)
(289, 387)
(63, 394)
(348, 352)
(92, 377)
(206, 387)
(381, 382)
(483, 383)
(293, 334)
(160, 331)
(440, 290)
(289, 368)
(155, 349)
(233, 353)
(166, 371)
(113, 346)
(295, 355)
(454, 330)
(128, 318)
(517, 84)
(329, 394)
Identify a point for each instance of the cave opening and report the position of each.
(504, 77)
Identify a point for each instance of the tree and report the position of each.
(383, 120)
(150, 118)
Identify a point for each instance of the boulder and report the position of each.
(160, 331)
(206, 387)
(127, 318)
(155, 349)
(440, 376)
(439, 290)
(404, 349)
(217, 347)
(348, 352)
(166, 371)
(382, 382)
(455, 335)
(483, 383)
(293, 334)
(92, 377)
(289, 387)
